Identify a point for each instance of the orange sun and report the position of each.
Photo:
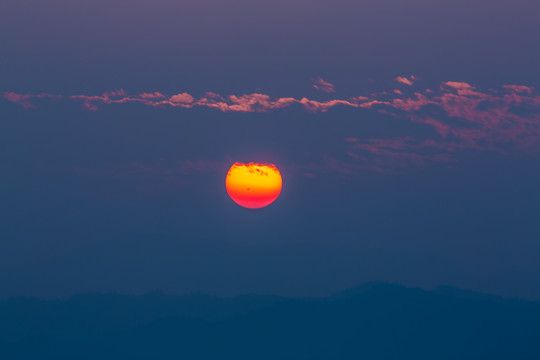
(253, 185)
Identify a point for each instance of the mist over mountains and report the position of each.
(374, 321)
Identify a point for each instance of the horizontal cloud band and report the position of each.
(459, 93)
(465, 117)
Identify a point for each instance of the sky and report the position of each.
(407, 135)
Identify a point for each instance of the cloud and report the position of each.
(25, 99)
(405, 81)
(462, 88)
(316, 106)
(457, 117)
(463, 119)
(254, 102)
(519, 88)
(411, 104)
(153, 96)
(183, 98)
(323, 85)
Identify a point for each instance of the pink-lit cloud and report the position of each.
(462, 88)
(183, 98)
(470, 120)
(406, 81)
(458, 116)
(25, 100)
(323, 85)
(519, 88)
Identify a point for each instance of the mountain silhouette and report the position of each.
(371, 321)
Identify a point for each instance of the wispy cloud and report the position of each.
(519, 89)
(406, 81)
(323, 85)
(461, 117)
(25, 100)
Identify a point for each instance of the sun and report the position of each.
(253, 185)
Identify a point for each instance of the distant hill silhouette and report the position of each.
(372, 321)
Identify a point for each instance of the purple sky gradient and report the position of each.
(407, 133)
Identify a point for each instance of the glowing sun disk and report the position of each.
(253, 185)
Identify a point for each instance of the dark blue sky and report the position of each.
(424, 171)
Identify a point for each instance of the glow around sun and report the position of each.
(253, 185)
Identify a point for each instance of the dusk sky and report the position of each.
(407, 134)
